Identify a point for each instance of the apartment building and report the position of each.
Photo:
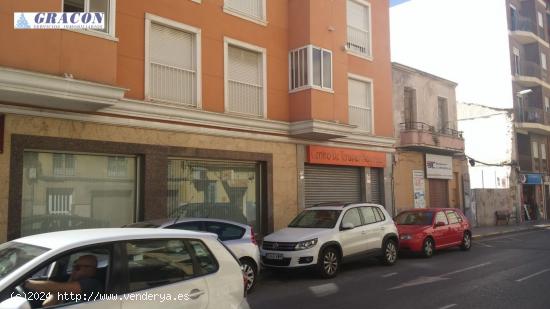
(248, 110)
(430, 167)
(499, 60)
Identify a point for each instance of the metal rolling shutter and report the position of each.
(439, 195)
(377, 194)
(325, 183)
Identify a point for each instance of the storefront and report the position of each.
(439, 170)
(109, 176)
(343, 175)
(532, 196)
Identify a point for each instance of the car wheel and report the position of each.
(428, 247)
(389, 252)
(250, 271)
(466, 241)
(329, 262)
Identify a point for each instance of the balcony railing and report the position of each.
(533, 69)
(531, 114)
(527, 24)
(423, 135)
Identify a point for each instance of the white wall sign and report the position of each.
(418, 189)
(439, 167)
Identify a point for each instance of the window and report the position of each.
(535, 149)
(63, 164)
(513, 18)
(172, 68)
(359, 34)
(157, 262)
(92, 200)
(104, 6)
(540, 20)
(310, 66)
(360, 104)
(440, 217)
(368, 215)
(442, 119)
(238, 195)
(224, 231)
(410, 107)
(189, 226)
(381, 216)
(117, 166)
(245, 79)
(249, 9)
(543, 60)
(352, 216)
(453, 217)
(207, 263)
(546, 104)
(516, 61)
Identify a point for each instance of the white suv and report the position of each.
(326, 234)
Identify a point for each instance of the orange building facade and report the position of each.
(248, 110)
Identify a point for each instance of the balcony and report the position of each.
(526, 30)
(422, 136)
(530, 74)
(533, 119)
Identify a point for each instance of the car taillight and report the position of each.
(252, 237)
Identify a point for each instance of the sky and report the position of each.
(396, 2)
(450, 39)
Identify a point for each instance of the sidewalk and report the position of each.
(485, 231)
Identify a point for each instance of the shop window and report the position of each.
(93, 199)
(215, 189)
(117, 166)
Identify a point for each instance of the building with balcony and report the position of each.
(430, 166)
(248, 110)
(499, 60)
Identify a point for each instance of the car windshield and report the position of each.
(415, 218)
(318, 218)
(14, 255)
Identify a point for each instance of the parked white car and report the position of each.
(239, 238)
(325, 235)
(135, 268)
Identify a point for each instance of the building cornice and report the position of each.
(50, 91)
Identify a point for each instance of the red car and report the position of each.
(427, 230)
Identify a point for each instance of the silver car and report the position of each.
(238, 237)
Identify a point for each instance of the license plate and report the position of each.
(274, 256)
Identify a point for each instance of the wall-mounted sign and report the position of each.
(419, 189)
(343, 156)
(530, 179)
(439, 167)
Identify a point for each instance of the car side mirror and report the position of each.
(439, 224)
(16, 302)
(348, 226)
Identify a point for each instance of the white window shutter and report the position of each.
(358, 16)
(245, 81)
(250, 8)
(359, 98)
(173, 75)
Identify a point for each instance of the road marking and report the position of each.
(466, 269)
(483, 244)
(512, 238)
(424, 280)
(418, 281)
(449, 306)
(533, 275)
(324, 289)
(389, 275)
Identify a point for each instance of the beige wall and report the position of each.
(284, 155)
(407, 161)
(490, 200)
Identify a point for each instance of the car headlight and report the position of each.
(406, 237)
(303, 245)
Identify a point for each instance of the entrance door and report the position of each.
(439, 193)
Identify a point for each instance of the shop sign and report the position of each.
(418, 189)
(530, 179)
(439, 167)
(343, 156)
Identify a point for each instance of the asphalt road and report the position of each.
(509, 271)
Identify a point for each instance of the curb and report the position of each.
(488, 234)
